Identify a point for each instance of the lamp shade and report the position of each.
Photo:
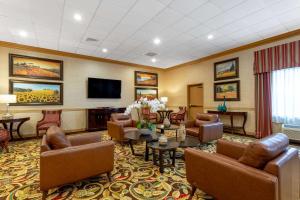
(164, 99)
(8, 98)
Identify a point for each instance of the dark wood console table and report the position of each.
(8, 124)
(97, 117)
(232, 128)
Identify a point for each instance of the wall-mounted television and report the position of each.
(104, 88)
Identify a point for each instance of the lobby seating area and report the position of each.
(149, 100)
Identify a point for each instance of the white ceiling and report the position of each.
(127, 27)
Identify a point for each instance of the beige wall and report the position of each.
(76, 72)
(177, 80)
(172, 83)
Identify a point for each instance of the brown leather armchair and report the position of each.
(224, 175)
(86, 157)
(206, 127)
(119, 125)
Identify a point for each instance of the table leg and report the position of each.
(244, 123)
(147, 152)
(162, 131)
(11, 126)
(161, 161)
(18, 129)
(131, 147)
(173, 158)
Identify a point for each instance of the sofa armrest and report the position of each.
(225, 178)
(210, 131)
(62, 166)
(231, 149)
(189, 123)
(84, 138)
(115, 130)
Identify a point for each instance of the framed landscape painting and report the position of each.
(36, 93)
(230, 90)
(149, 93)
(32, 67)
(146, 79)
(227, 69)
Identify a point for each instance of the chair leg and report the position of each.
(37, 133)
(109, 176)
(6, 146)
(193, 192)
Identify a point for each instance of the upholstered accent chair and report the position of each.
(148, 115)
(119, 125)
(67, 159)
(267, 169)
(179, 116)
(207, 127)
(50, 118)
(4, 138)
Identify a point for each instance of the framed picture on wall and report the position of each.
(149, 93)
(37, 68)
(146, 79)
(227, 69)
(230, 90)
(36, 93)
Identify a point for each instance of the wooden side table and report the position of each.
(232, 128)
(8, 124)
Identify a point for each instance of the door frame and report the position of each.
(188, 96)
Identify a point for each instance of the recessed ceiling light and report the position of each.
(156, 41)
(23, 33)
(153, 60)
(77, 17)
(210, 36)
(104, 50)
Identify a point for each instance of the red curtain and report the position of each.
(265, 61)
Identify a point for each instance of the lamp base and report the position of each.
(7, 116)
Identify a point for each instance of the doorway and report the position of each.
(195, 99)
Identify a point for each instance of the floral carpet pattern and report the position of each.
(133, 177)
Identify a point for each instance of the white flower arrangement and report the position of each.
(154, 105)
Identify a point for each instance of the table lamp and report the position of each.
(7, 99)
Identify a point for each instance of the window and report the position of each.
(286, 96)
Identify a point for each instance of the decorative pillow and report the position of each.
(259, 153)
(56, 138)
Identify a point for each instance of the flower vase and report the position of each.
(167, 122)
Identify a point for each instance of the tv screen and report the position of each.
(104, 88)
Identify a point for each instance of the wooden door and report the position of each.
(195, 100)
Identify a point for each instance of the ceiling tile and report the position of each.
(184, 7)
(205, 12)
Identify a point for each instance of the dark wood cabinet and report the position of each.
(97, 117)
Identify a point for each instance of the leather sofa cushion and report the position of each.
(199, 123)
(257, 154)
(207, 117)
(194, 131)
(119, 117)
(56, 138)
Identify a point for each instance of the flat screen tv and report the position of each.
(104, 88)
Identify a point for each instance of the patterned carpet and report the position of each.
(133, 177)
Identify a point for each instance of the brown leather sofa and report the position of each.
(119, 125)
(81, 157)
(263, 170)
(206, 127)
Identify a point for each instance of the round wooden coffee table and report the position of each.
(138, 136)
(170, 147)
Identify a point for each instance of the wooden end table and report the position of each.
(164, 114)
(170, 147)
(9, 123)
